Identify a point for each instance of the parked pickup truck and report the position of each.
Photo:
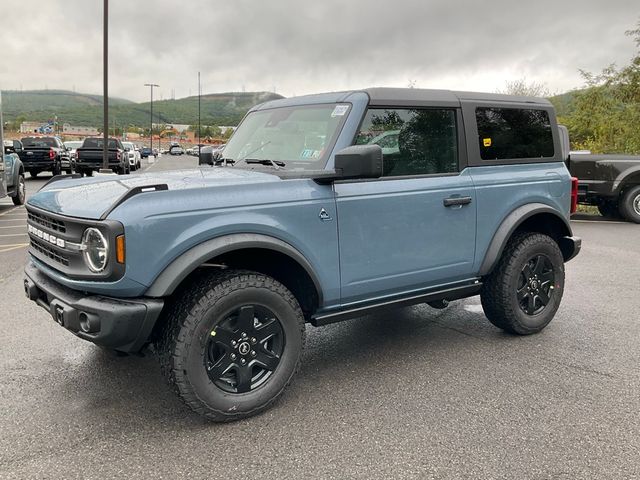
(308, 222)
(12, 182)
(45, 154)
(89, 156)
(610, 182)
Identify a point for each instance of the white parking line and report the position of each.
(7, 212)
(15, 226)
(3, 248)
(15, 235)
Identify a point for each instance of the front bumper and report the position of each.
(121, 324)
(570, 247)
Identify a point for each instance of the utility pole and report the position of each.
(105, 82)
(199, 147)
(151, 85)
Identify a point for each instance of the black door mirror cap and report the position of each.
(359, 161)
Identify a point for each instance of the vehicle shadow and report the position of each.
(590, 217)
(131, 392)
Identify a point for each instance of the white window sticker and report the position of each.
(340, 110)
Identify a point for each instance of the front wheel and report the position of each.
(523, 292)
(232, 343)
(630, 205)
(21, 192)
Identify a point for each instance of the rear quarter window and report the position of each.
(514, 133)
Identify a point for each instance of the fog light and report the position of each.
(88, 323)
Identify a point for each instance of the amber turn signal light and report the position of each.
(120, 248)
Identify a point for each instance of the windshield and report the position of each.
(300, 137)
(42, 142)
(128, 145)
(72, 145)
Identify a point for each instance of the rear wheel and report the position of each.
(21, 191)
(523, 292)
(33, 173)
(630, 205)
(57, 169)
(232, 343)
(88, 173)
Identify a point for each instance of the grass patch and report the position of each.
(590, 209)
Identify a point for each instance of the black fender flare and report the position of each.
(621, 180)
(510, 224)
(185, 264)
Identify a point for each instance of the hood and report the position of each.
(93, 197)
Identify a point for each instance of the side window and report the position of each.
(413, 141)
(510, 133)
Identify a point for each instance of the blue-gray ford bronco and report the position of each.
(323, 208)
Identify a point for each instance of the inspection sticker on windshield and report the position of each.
(340, 110)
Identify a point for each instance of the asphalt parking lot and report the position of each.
(420, 393)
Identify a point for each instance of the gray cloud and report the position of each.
(303, 47)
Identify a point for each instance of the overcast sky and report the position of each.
(299, 46)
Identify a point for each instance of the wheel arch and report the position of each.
(256, 252)
(630, 179)
(534, 217)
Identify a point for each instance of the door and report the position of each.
(416, 226)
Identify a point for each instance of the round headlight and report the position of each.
(95, 249)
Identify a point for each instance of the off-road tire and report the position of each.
(630, 205)
(33, 173)
(57, 169)
(20, 195)
(499, 290)
(200, 305)
(88, 173)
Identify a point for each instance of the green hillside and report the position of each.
(83, 109)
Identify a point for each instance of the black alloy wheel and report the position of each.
(244, 349)
(536, 284)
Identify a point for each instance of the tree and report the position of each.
(525, 88)
(606, 113)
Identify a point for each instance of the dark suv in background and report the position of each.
(45, 154)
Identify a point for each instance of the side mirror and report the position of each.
(359, 161)
(206, 156)
(17, 146)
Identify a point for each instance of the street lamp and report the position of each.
(199, 127)
(151, 85)
(105, 82)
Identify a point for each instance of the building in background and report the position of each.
(74, 130)
(30, 127)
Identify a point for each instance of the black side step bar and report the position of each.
(451, 293)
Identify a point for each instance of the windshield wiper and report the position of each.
(266, 161)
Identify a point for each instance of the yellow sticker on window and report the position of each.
(486, 142)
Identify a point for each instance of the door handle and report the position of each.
(453, 201)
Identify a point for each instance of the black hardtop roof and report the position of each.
(396, 96)
(409, 97)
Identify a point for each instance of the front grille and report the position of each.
(48, 222)
(49, 252)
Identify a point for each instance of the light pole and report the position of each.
(105, 82)
(151, 85)
(199, 146)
